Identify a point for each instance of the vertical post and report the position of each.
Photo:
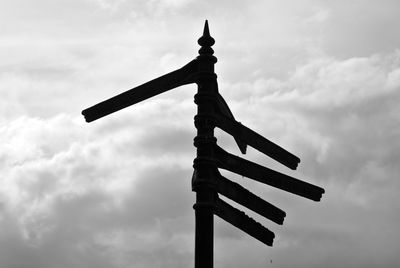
(204, 183)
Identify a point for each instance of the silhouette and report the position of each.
(207, 182)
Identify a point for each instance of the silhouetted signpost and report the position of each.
(207, 182)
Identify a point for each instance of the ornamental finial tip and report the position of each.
(206, 31)
(206, 41)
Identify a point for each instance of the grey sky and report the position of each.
(321, 78)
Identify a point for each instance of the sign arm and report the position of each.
(240, 220)
(265, 175)
(256, 141)
(182, 76)
(247, 199)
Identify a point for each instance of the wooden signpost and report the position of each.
(207, 182)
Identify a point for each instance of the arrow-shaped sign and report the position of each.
(180, 77)
(255, 140)
(265, 175)
(247, 199)
(240, 220)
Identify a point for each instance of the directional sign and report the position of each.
(240, 220)
(255, 140)
(213, 111)
(265, 175)
(247, 199)
(182, 76)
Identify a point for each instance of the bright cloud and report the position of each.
(64, 195)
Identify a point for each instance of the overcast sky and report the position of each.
(320, 78)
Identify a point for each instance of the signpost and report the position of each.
(207, 182)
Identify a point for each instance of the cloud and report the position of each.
(341, 117)
(113, 193)
(65, 190)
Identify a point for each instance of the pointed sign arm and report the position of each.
(182, 76)
(247, 199)
(265, 175)
(240, 220)
(256, 141)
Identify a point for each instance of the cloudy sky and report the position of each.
(320, 78)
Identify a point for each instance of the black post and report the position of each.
(204, 180)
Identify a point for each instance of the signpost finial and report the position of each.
(206, 41)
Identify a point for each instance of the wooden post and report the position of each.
(204, 180)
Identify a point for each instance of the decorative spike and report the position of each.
(206, 41)
(206, 31)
